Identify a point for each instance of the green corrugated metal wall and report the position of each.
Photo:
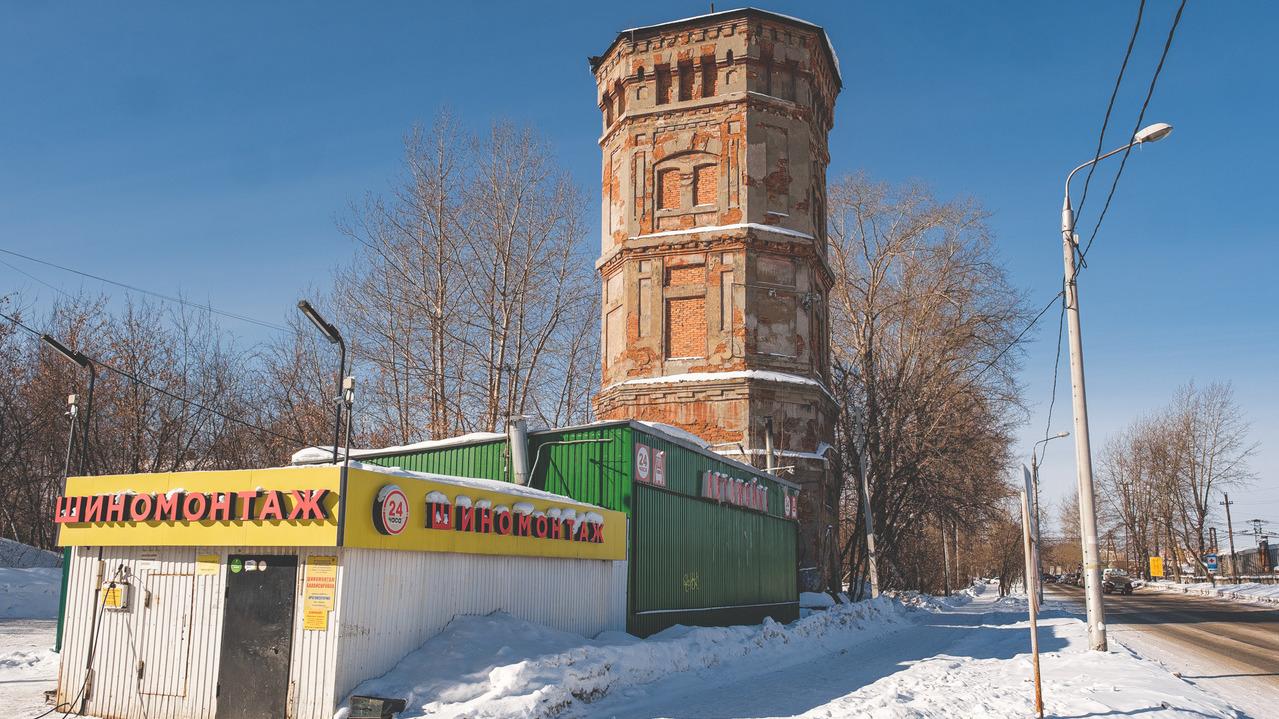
(696, 562)
(483, 460)
(598, 472)
(692, 560)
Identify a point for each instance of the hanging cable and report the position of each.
(132, 288)
(1101, 138)
(167, 393)
(1172, 31)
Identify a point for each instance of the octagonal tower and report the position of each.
(713, 241)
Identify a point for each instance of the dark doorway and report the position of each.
(257, 636)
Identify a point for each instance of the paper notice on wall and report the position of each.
(315, 618)
(321, 581)
(207, 564)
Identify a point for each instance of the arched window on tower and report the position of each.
(709, 75)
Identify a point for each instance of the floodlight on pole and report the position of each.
(80, 359)
(1096, 613)
(334, 337)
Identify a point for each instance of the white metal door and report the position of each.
(165, 604)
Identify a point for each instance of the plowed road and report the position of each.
(1228, 647)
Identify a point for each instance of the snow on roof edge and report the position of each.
(319, 454)
(475, 483)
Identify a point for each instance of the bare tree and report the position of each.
(923, 327)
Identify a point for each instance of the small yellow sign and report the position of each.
(207, 565)
(315, 619)
(115, 597)
(321, 580)
(1156, 566)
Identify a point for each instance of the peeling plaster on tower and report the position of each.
(713, 240)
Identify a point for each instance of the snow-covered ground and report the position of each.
(1247, 591)
(29, 593)
(17, 554)
(904, 656)
(910, 656)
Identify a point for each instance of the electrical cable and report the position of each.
(167, 298)
(184, 400)
(1101, 138)
(1061, 323)
(1017, 339)
(1140, 116)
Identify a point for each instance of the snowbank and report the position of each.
(29, 593)
(1247, 591)
(17, 554)
(499, 666)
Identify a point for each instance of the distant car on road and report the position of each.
(1049, 578)
(1116, 581)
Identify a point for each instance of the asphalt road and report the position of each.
(1230, 647)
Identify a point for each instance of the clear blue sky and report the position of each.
(209, 150)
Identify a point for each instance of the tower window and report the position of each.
(663, 84)
(668, 189)
(686, 80)
(708, 76)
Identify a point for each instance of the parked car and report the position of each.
(1048, 578)
(1116, 581)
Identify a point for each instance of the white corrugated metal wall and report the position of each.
(178, 638)
(392, 601)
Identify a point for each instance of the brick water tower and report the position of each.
(713, 242)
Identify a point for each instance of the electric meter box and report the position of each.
(115, 596)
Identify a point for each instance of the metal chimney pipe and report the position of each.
(517, 441)
(769, 464)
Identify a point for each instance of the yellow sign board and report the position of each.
(315, 618)
(1156, 566)
(207, 565)
(284, 507)
(300, 507)
(475, 517)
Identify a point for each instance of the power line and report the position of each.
(1140, 116)
(1017, 339)
(1061, 323)
(152, 293)
(1101, 138)
(190, 402)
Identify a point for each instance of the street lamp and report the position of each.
(1083, 452)
(333, 336)
(1034, 476)
(78, 358)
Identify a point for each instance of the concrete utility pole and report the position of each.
(1230, 532)
(1034, 476)
(1083, 452)
(872, 561)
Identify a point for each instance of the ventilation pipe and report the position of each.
(517, 441)
(768, 446)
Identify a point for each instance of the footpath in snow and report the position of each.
(910, 656)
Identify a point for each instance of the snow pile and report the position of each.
(29, 593)
(1247, 591)
(499, 666)
(28, 667)
(17, 554)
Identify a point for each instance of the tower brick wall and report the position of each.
(713, 240)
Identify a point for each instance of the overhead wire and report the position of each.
(1101, 138)
(185, 400)
(133, 288)
(1172, 31)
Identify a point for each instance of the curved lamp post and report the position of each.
(1083, 452)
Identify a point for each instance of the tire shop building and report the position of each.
(274, 592)
(712, 540)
